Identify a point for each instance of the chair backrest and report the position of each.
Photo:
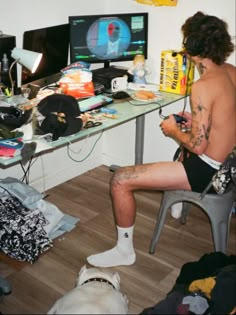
(225, 178)
(226, 174)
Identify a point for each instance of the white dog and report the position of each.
(97, 292)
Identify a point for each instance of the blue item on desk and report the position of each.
(12, 144)
(106, 110)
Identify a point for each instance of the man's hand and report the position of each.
(188, 116)
(169, 126)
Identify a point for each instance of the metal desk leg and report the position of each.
(139, 139)
(139, 142)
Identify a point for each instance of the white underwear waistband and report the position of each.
(215, 164)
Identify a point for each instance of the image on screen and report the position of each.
(53, 42)
(105, 38)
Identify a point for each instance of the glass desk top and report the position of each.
(125, 112)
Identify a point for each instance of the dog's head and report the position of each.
(86, 274)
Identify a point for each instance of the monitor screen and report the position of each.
(53, 42)
(108, 38)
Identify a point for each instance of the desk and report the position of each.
(125, 113)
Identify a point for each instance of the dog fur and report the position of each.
(93, 297)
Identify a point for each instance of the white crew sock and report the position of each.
(122, 254)
(176, 210)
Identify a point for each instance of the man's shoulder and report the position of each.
(200, 83)
(205, 87)
(229, 66)
(231, 71)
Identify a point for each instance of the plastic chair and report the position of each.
(218, 207)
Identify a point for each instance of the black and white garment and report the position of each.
(21, 230)
(226, 174)
(22, 234)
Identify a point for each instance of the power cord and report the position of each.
(140, 103)
(26, 171)
(69, 155)
(77, 152)
(43, 177)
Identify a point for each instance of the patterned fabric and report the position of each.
(22, 235)
(226, 174)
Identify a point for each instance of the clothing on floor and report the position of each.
(221, 299)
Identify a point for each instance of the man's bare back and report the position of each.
(220, 86)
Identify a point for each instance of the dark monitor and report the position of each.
(53, 42)
(108, 38)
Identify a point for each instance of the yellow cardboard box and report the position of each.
(159, 2)
(176, 73)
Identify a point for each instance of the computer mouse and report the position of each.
(120, 95)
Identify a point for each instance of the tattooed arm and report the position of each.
(201, 121)
(197, 139)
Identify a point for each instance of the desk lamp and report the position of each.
(26, 58)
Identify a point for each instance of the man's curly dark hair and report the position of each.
(212, 34)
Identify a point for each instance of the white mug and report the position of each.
(28, 131)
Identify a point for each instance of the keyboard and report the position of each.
(94, 102)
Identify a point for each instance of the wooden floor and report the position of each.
(36, 287)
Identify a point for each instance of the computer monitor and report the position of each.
(53, 42)
(108, 38)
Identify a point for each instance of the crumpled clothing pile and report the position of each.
(22, 235)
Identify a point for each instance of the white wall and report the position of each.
(164, 22)
(164, 33)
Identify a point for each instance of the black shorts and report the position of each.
(199, 173)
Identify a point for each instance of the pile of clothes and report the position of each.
(28, 223)
(207, 286)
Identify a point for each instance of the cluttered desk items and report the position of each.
(11, 139)
(122, 111)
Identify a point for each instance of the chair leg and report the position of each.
(219, 214)
(220, 231)
(185, 211)
(159, 224)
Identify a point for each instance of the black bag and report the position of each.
(60, 116)
(13, 117)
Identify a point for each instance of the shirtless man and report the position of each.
(211, 139)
